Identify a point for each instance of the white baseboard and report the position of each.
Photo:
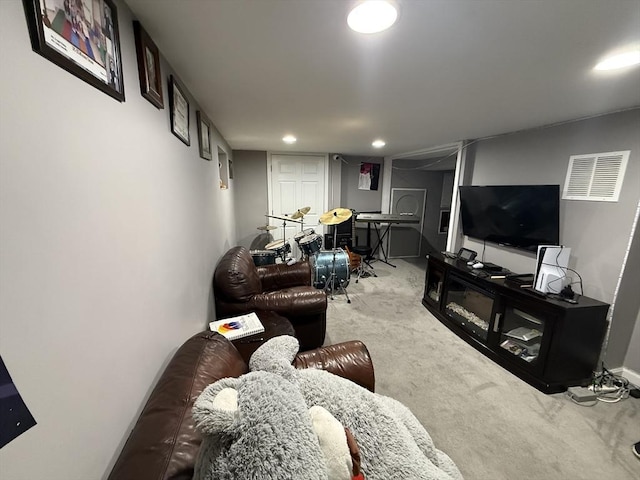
(632, 376)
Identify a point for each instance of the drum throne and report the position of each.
(364, 268)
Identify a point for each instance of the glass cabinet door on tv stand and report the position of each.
(522, 334)
(468, 306)
(433, 284)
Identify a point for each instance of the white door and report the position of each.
(405, 239)
(297, 181)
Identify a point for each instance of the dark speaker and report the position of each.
(344, 227)
(343, 239)
(344, 233)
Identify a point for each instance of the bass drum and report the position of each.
(322, 266)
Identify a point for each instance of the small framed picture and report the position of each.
(179, 111)
(204, 135)
(148, 66)
(86, 45)
(444, 221)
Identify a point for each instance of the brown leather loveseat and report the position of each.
(163, 444)
(239, 286)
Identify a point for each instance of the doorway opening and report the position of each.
(437, 170)
(296, 181)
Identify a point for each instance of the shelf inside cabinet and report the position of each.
(528, 351)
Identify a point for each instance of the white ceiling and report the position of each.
(448, 70)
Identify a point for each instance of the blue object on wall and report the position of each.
(15, 417)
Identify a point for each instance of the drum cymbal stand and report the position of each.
(283, 255)
(299, 214)
(302, 254)
(333, 279)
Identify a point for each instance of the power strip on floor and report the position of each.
(603, 388)
(581, 394)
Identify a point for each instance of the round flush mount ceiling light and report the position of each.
(620, 60)
(372, 16)
(378, 143)
(289, 139)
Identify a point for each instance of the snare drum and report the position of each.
(263, 257)
(280, 247)
(300, 235)
(311, 244)
(322, 266)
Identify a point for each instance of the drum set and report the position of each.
(330, 269)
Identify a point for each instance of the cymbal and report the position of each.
(301, 212)
(286, 219)
(335, 216)
(267, 227)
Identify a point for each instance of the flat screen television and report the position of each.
(519, 216)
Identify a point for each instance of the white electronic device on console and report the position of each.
(551, 268)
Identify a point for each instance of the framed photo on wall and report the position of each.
(148, 66)
(81, 37)
(179, 111)
(444, 221)
(204, 135)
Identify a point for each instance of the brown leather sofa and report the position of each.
(239, 286)
(164, 443)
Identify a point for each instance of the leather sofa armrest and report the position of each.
(164, 442)
(281, 275)
(294, 301)
(350, 360)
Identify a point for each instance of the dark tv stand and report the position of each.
(548, 343)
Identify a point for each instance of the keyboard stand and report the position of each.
(388, 220)
(380, 245)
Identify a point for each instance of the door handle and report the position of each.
(496, 322)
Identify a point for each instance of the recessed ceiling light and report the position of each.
(372, 16)
(620, 60)
(378, 143)
(289, 139)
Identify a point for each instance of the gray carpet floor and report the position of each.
(491, 423)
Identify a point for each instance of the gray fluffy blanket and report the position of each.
(258, 427)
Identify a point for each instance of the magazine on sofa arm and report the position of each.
(238, 327)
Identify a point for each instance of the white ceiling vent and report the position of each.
(596, 176)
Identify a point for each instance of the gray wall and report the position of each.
(250, 196)
(356, 199)
(110, 230)
(626, 304)
(351, 196)
(632, 360)
(597, 232)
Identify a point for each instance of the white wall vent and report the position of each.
(595, 176)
